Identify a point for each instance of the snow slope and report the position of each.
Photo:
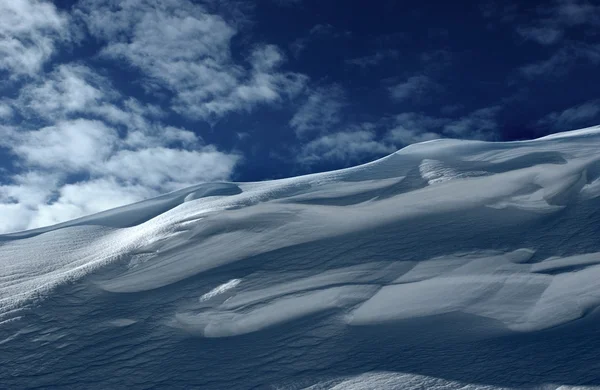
(456, 264)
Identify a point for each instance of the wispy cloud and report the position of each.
(415, 88)
(566, 26)
(412, 127)
(320, 112)
(479, 124)
(287, 3)
(373, 59)
(573, 12)
(544, 35)
(30, 31)
(563, 59)
(552, 21)
(316, 33)
(354, 143)
(185, 49)
(505, 12)
(347, 146)
(580, 115)
(327, 30)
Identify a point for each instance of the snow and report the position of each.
(225, 323)
(402, 381)
(462, 239)
(219, 290)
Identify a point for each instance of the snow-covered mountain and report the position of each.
(449, 264)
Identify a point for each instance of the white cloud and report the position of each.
(84, 198)
(29, 189)
(169, 169)
(99, 150)
(320, 112)
(69, 89)
(72, 91)
(6, 111)
(29, 33)
(68, 146)
(183, 48)
(263, 84)
(112, 173)
(415, 88)
(345, 146)
(13, 215)
(579, 115)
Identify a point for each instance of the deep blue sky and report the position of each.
(121, 100)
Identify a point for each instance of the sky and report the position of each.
(106, 102)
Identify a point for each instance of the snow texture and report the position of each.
(434, 267)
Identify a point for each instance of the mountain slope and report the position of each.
(446, 263)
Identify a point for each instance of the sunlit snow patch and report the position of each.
(220, 289)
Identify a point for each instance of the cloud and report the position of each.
(479, 124)
(169, 169)
(573, 12)
(181, 47)
(562, 60)
(69, 89)
(323, 30)
(371, 140)
(347, 147)
(97, 149)
(320, 112)
(74, 91)
(412, 127)
(415, 89)
(551, 22)
(316, 33)
(69, 146)
(6, 111)
(69, 201)
(30, 31)
(436, 61)
(373, 59)
(506, 12)
(82, 166)
(541, 35)
(287, 3)
(581, 115)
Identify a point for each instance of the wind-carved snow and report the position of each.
(220, 289)
(461, 238)
(437, 172)
(403, 381)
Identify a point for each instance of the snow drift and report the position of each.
(413, 266)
